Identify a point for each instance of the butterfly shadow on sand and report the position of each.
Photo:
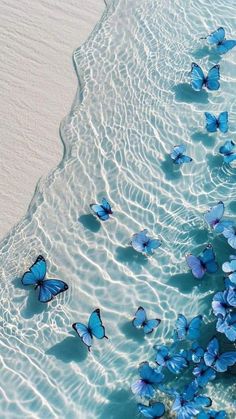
(206, 139)
(172, 172)
(90, 222)
(204, 52)
(68, 350)
(32, 305)
(185, 93)
(130, 257)
(131, 332)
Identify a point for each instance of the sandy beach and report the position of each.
(38, 84)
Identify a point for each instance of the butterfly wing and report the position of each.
(231, 296)
(228, 159)
(229, 233)
(151, 245)
(183, 159)
(95, 325)
(227, 148)
(181, 326)
(142, 389)
(225, 360)
(229, 267)
(216, 36)
(203, 374)
(227, 326)
(207, 257)
(197, 77)
(50, 288)
(212, 352)
(223, 122)
(226, 46)
(195, 265)
(176, 363)
(211, 122)
(106, 205)
(154, 411)
(177, 150)
(149, 374)
(138, 241)
(100, 212)
(83, 333)
(161, 353)
(213, 77)
(140, 317)
(194, 328)
(36, 272)
(151, 325)
(219, 304)
(214, 215)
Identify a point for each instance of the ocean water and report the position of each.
(133, 104)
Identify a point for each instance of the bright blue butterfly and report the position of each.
(178, 155)
(198, 80)
(213, 218)
(189, 403)
(228, 151)
(102, 211)
(188, 330)
(213, 123)
(149, 380)
(213, 358)
(218, 38)
(231, 295)
(230, 268)
(228, 327)
(196, 352)
(220, 304)
(203, 263)
(48, 288)
(203, 374)
(230, 234)
(94, 328)
(140, 320)
(155, 410)
(212, 414)
(144, 244)
(175, 363)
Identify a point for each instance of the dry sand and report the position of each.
(38, 84)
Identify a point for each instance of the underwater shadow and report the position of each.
(206, 139)
(131, 332)
(70, 349)
(33, 306)
(199, 236)
(121, 405)
(172, 171)
(129, 256)
(90, 222)
(206, 51)
(214, 161)
(185, 93)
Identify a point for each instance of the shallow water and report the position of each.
(132, 106)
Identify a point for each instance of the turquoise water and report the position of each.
(133, 105)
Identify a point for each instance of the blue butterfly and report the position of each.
(198, 80)
(178, 155)
(231, 295)
(230, 268)
(228, 151)
(48, 288)
(203, 374)
(94, 328)
(154, 410)
(189, 403)
(196, 352)
(175, 363)
(230, 234)
(228, 327)
(144, 244)
(213, 123)
(102, 211)
(213, 218)
(149, 379)
(188, 330)
(213, 358)
(220, 304)
(212, 414)
(218, 38)
(140, 320)
(205, 262)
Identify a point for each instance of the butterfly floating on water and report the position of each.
(229, 151)
(178, 156)
(190, 403)
(154, 410)
(188, 330)
(227, 325)
(218, 38)
(48, 288)
(214, 215)
(213, 123)
(144, 244)
(174, 362)
(219, 361)
(198, 79)
(220, 305)
(140, 321)
(230, 234)
(203, 263)
(203, 374)
(212, 414)
(149, 380)
(230, 268)
(95, 329)
(103, 210)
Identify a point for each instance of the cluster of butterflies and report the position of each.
(204, 364)
(212, 82)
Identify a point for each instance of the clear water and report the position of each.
(132, 106)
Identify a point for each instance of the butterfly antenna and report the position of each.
(106, 337)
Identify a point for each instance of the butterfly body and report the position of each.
(102, 211)
(185, 329)
(149, 379)
(199, 80)
(213, 123)
(203, 263)
(178, 156)
(140, 321)
(189, 403)
(228, 151)
(94, 328)
(174, 362)
(218, 38)
(48, 288)
(144, 244)
(216, 360)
